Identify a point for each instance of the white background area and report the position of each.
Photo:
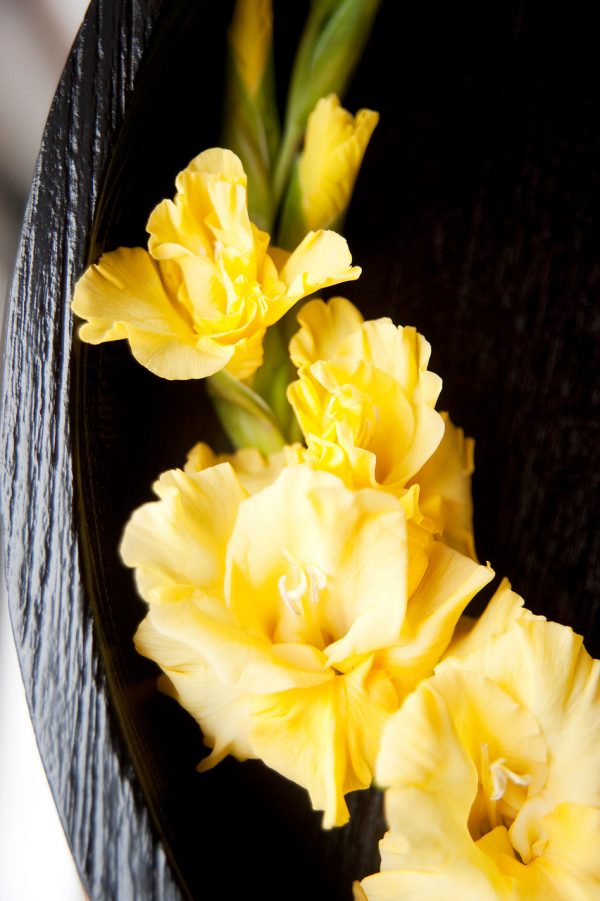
(35, 862)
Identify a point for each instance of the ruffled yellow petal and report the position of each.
(445, 489)
(236, 656)
(334, 145)
(321, 259)
(450, 582)
(569, 867)
(434, 784)
(181, 539)
(323, 328)
(223, 712)
(504, 610)
(326, 737)
(254, 470)
(424, 885)
(127, 295)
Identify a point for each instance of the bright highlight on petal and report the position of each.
(492, 768)
(281, 609)
(201, 298)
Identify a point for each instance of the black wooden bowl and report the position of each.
(475, 218)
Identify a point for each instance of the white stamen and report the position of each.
(501, 775)
(291, 595)
(318, 581)
(308, 577)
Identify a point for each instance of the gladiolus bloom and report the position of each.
(492, 769)
(291, 622)
(200, 299)
(365, 401)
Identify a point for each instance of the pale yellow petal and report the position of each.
(434, 783)
(320, 260)
(334, 145)
(223, 712)
(245, 661)
(569, 868)
(445, 495)
(325, 738)
(175, 232)
(422, 750)
(218, 161)
(512, 733)
(504, 610)
(248, 356)
(125, 289)
(323, 328)
(181, 538)
(254, 470)
(450, 582)
(454, 882)
(125, 296)
(400, 352)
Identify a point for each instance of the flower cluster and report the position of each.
(307, 590)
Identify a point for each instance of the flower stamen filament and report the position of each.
(495, 777)
(300, 590)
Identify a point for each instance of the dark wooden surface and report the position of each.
(98, 800)
(476, 219)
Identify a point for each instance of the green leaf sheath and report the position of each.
(246, 418)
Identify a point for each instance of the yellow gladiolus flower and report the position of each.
(290, 622)
(493, 769)
(334, 147)
(365, 401)
(200, 300)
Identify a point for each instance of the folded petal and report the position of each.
(323, 328)
(450, 582)
(325, 737)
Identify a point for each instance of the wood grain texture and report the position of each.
(99, 804)
(476, 219)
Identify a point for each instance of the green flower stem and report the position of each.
(246, 418)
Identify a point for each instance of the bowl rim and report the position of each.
(115, 846)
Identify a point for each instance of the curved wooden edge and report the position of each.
(98, 800)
